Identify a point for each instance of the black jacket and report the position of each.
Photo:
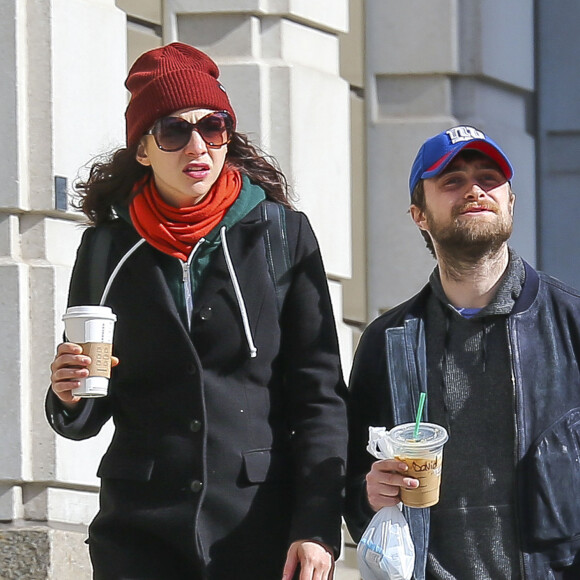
(228, 458)
(390, 371)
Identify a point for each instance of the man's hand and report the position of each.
(384, 482)
(316, 561)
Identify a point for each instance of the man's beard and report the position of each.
(470, 239)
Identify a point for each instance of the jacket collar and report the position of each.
(529, 290)
(416, 306)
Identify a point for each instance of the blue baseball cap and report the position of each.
(438, 151)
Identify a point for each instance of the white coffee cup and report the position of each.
(92, 327)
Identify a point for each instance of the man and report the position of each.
(495, 346)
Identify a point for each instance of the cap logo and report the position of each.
(464, 133)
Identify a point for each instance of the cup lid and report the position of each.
(89, 311)
(430, 435)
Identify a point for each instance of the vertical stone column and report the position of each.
(279, 61)
(432, 65)
(63, 64)
(558, 131)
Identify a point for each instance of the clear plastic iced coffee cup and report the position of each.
(92, 328)
(424, 457)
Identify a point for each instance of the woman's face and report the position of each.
(183, 178)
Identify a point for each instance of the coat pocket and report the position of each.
(553, 478)
(125, 465)
(261, 465)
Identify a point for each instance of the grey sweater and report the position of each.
(473, 533)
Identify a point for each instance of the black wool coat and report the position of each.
(218, 460)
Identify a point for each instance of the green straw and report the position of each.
(419, 414)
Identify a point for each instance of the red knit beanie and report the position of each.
(167, 79)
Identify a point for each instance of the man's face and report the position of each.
(468, 207)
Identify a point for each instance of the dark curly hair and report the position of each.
(112, 176)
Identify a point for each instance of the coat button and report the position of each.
(195, 426)
(206, 313)
(196, 486)
(191, 368)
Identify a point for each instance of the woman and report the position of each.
(228, 454)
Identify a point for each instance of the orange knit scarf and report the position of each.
(176, 230)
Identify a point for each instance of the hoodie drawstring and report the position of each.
(238, 292)
(117, 268)
(232, 272)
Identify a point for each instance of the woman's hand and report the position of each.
(68, 368)
(316, 561)
(384, 482)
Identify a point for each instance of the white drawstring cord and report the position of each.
(238, 292)
(235, 283)
(116, 270)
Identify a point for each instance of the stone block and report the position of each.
(24, 553)
(328, 14)
(149, 10)
(67, 506)
(69, 556)
(140, 40)
(400, 42)
(52, 240)
(296, 43)
(10, 502)
(320, 160)
(36, 552)
(496, 40)
(221, 35)
(13, 365)
(9, 248)
(89, 66)
(72, 506)
(477, 101)
(9, 97)
(331, 14)
(401, 96)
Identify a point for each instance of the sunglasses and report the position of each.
(174, 133)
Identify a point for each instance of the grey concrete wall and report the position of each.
(63, 102)
(558, 157)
